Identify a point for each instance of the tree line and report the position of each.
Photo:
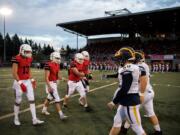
(40, 52)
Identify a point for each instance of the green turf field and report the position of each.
(97, 122)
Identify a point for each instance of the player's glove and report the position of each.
(89, 76)
(33, 82)
(23, 87)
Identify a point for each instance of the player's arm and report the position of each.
(16, 77)
(143, 80)
(33, 81)
(14, 71)
(142, 83)
(111, 104)
(76, 72)
(47, 73)
(123, 90)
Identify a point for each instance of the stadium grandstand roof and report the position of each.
(155, 21)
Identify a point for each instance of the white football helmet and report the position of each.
(79, 58)
(86, 55)
(25, 50)
(55, 57)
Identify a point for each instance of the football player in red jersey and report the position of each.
(52, 75)
(23, 82)
(74, 80)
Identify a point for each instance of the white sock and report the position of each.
(33, 111)
(126, 125)
(86, 105)
(44, 108)
(157, 127)
(80, 98)
(61, 113)
(16, 111)
(87, 87)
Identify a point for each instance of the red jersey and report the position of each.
(79, 67)
(86, 64)
(23, 66)
(54, 70)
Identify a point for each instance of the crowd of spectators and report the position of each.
(149, 47)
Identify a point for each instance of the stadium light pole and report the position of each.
(77, 43)
(5, 12)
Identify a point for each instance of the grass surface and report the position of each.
(97, 122)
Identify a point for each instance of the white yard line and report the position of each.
(41, 105)
(166, 85)
(154, 84)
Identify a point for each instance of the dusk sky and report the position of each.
(37, 19)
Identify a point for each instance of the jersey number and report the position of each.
(25, 69)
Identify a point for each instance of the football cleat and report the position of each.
(17, 122)
(87, 109)
(37, 122)
(45, 112)
(63, 117)
(123, 131)
(65, 106)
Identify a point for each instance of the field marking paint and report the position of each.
(41, 105)
(154, 84)
(167, 85)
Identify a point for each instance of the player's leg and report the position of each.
(118, 118)
(83, 96)
(70, 90)
(82, 100)
(18, 98)
(30, 96)
(46, 102)
(56, 97)
(149, 108)
(133, 116)
(45, 106)
(84, 84)
(87, 85)
(125, 127)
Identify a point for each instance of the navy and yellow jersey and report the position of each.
(128, 92)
